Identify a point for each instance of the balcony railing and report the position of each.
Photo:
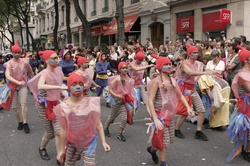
(93, 13)
(105, 9)
(39, 7)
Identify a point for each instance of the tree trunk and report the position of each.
(120, 22)
(3, 35)
(27, 33)
(56, 24)
(21, 30)
(68, 21)
(85, 23)
(12, 36)
(32, 40)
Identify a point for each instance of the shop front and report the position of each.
(185, 24)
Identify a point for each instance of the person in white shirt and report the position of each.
(113, 54)
(216, 64)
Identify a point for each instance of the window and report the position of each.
(84, 6)
(106, 6)
(93, 13)
(134, 1)
(63, 14)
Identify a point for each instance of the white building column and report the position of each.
(198, 24)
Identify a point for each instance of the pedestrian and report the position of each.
(163, 94)
(190, 70)
(102, 68)
(67, 64)
(239, 127)
(46, 87)
(80, 121)
(16, 74)
(120, 88)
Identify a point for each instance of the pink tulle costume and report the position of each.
(239, 126)
(87, 75)
(170, 94)
(80, 122)
(52, 96)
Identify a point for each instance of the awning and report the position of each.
(129, 21)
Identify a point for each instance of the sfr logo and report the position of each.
(185, 25)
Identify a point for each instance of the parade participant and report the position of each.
(163, 94)
(16, 73)
(136, 72)
(67, 64)
(80, 121)
(86, 73)
(120, 87)
(189, 71)
(46, 87)
(102, 68)
(239, 127)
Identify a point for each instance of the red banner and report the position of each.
(225, 16)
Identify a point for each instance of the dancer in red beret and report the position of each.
(164, 94)
(189, 72)
(80, 121)
(120, 88)
(16, 73)
(239, 127)
(46, 87)
(136, 72)
(86, 73)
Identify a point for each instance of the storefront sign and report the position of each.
(211, 22)
(80, 28)
(225, 16)
(185, 25)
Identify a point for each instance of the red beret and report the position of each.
(16, 47)
(243, 54)
(191, 49)
(46, 54)
(81, 60)
(161, 61)
(121, 64)
(139, 56)
(74, 77)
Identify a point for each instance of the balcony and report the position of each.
(40, 8)
(76, 19)
(105, 9)
(93, 13)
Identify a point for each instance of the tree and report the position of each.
(85, 23)
(67, 3)
(22, 11)
(120, 22)
(55, 30)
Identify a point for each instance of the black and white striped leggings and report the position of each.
(118, 108)
(73, 154)
(51, 128)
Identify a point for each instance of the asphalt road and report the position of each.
(20, 149)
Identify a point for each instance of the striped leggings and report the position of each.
(73, 154)
(22, 94)
(118, 108)
(51, 128)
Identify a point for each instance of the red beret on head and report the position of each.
(139, 56)
(121, 64)
(243, 54)
(16, 47)
(74, 77)
(46, 54)
(81, 60)
(161, 61)
(191, 49)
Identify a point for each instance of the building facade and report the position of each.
(202, 17)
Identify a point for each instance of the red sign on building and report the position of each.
(184, 25)
(225, 16)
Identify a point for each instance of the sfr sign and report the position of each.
(225, 16)
(185, 24)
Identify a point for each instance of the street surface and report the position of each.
(20, 149)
